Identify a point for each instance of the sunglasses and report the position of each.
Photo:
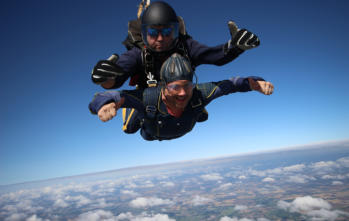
(154, 32)
(177, 87)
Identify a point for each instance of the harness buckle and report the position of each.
(150, 109)
(152, 83)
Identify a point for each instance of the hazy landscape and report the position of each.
(308, 183)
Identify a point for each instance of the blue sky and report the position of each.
(50, 47)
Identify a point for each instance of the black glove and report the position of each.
(241, 38)
(106, 70)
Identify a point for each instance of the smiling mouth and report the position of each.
(180, 99)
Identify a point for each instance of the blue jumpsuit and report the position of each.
(160, 125)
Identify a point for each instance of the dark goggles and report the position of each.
(154, 32)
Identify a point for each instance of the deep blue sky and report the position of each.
(48, 49)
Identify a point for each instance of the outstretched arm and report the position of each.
(240, 41)
(213, 90)
(106, 104)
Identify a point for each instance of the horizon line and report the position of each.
(312, 145)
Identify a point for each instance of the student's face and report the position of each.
(178, 93)
(160, 37)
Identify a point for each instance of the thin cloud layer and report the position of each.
(129, 192)
(102, 215)
(294, 168)
(149, 202)
(225, 186)
(226, 218)
(200, 200)
(300, 178)
(211, 177)
(240, 207)
(268, 179)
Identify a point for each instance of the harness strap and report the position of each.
(148, 62)
(199, 107)
(182, 50)
(150, 101)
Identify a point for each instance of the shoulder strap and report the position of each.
(150, 101)
(197, 101)
(198, 105)
(181, 25)
(148, 63)
(182, 49)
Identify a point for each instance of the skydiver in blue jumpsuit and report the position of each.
(171, 109)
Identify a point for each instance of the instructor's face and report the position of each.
(179, 93)
(160, 37)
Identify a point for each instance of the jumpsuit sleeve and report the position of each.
(130, 60)
(217, 55)
(213, 90)
(131, 63)
(133, 99)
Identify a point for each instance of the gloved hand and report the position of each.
(106, 70)
(241, 38)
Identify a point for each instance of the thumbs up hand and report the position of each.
(241, 38)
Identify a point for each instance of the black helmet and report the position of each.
(176, 68)
(159, 13)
